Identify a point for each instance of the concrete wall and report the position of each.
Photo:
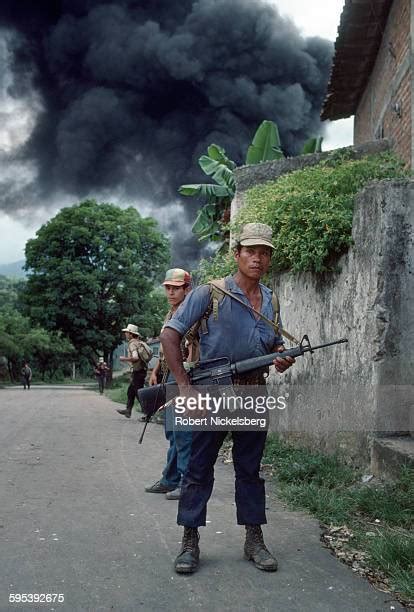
(384, 110)
(340, 397)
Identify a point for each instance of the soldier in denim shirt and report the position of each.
(239, 334)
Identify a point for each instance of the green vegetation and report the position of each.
(118, 393)
(118, 390)
(48, 352)
(214, 267)
(380, 516)
(91, 269)
(310, 211)
(212, 219)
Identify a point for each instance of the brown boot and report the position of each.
(256, 551)
(126, 413)
(187, 560)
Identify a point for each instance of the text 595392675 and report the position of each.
(22, 598)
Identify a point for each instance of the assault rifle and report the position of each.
(218, 371)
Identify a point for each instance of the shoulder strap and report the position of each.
(217, 290)
(276, 308)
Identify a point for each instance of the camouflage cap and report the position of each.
(177, 277)
(256, 233)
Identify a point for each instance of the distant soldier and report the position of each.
(139, 355)
(26, 376)
(101, 372)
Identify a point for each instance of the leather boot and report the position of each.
(256, 551)
(125, 412)
(187, 560)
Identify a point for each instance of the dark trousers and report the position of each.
(101, 383)
(198, 480)
(137, 382)
(26, 381)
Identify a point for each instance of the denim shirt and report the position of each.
(236, 333)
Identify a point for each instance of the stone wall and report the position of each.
(341, 397)
(344, 397)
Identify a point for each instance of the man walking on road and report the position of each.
(26, 376)
(101, 372)
(177, 284)
(236, 331)
(138, 358)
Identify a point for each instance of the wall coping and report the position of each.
(249, 176)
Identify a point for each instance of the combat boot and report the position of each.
(187, 560)
(256, 551)
(126, 413)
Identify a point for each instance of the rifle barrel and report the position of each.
(340, 341)
(247, 365)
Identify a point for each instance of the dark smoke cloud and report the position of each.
(133, 91)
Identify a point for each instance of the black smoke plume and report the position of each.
(133, 91)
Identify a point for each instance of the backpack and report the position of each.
(145, 353)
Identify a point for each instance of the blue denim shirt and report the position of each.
(236, 333)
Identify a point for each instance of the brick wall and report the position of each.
(384, 110)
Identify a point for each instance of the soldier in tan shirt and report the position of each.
(138, 362)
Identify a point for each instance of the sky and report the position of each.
(317, 18)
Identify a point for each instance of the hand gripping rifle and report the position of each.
(218, 371)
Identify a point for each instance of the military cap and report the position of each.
(253, 234)
(177, 277)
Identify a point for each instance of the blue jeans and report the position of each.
(198, 482)
(178, 455)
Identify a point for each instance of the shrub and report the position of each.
(310, 212)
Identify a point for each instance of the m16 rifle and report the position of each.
(218, 371)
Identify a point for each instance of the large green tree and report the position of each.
(90, 269)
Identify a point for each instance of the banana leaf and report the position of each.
(219, 154)
(266, 145)
(312, 145)
(205, 190)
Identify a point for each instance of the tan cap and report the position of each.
(256, 233)
(132, 329)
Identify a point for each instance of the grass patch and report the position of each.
(118, 393)
(379, 516)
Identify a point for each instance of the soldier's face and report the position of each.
(175, 295)
(253, 261)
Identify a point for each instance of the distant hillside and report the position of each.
(13, 269)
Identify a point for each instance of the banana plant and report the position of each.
(211, 220)
(211, 217)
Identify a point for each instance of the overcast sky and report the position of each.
(317, 18)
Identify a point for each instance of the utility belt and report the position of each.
(142, 369)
